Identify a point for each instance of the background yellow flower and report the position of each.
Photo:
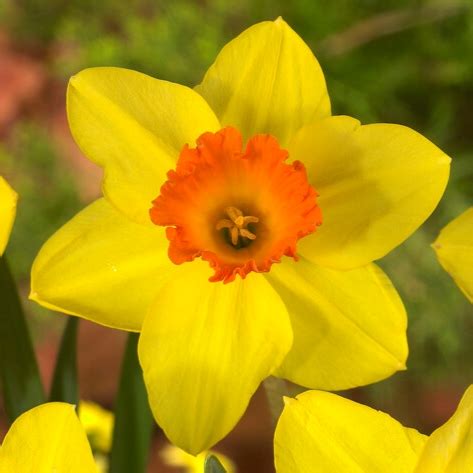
(8, 199)
(326, 433)
(174, 456)
(48, 438)
(454, 248)
(98, 424)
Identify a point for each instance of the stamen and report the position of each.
(224, 223)
(247, 234)
(237, 225)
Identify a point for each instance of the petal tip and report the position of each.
(446, 158)
(288, 400)
(33, 296)
(73, 81)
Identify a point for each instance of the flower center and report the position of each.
(237, 227)
(240, 209)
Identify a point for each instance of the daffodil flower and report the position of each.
(205, 190)
(454, 248)
(48, 438)
(8, 200)
(98, 424)
(174, 456)
(326, 433)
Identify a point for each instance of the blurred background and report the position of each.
(399, 61)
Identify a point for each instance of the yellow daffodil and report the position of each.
(454, 248)
(326, 433)
(46, 439)
(8, 199)
(233, 175)
(174, 456)
(98, 424)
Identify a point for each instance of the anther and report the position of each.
(237, 225)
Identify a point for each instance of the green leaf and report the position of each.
(65, 387)
(213, 465)
(21, 384)
(133, 419)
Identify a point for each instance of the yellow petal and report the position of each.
(377, 184)
(349, 326)
(8, 200)
(204, 349)
(134, 126)
(102, 267)
(454, 248)
(266, 81)
(320, 432)
(450, 448)
(46, 439)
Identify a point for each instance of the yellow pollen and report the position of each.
(237, 224)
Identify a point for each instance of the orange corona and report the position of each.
(240, 209)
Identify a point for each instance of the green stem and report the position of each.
(275, 389)
(213, 465)
(64, 387)
(21, 383)
(133, 419)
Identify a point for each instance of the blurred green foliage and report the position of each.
(48, 194)
(420, 74)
